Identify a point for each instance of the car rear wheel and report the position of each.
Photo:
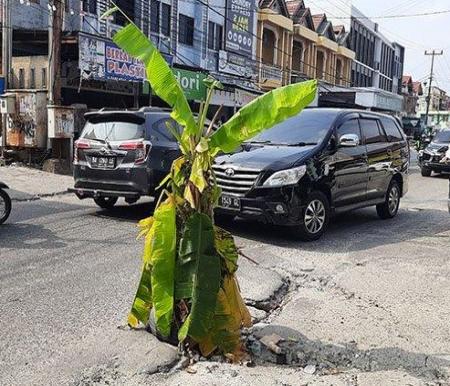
(5, 206)
(426, 172)
(314, 218)
(106, 202)
(391, 204)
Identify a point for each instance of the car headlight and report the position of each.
(420, 153)
(286, 177)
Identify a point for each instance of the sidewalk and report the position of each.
(30, 184)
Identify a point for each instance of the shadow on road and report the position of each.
(128, 213)
(352, 231)
(28, 236)
(297, 348)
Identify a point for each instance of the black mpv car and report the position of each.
(323, 161)
(430, 158)
(123, 154)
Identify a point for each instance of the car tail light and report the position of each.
(80, 144)
(141, 150)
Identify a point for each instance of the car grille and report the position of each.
(237, 183)
(426, 156)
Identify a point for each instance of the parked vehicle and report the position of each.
(321, 162)
(430, 158)
(5, 203)
(123, 154)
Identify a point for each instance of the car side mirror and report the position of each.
(349, 140)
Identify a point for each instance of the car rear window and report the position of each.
(392, 130)
(157, 128)
(113, 130)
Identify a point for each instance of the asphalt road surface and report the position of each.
(369, 289)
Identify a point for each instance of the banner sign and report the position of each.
(100, 60)
(192, 83)
(120, 65)
(239, 26)
(234, 64)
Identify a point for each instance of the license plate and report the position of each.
(103, 162)
(230, 202)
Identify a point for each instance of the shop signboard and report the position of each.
(192, 83)
(239, 26)
(100, 59)
(231, 63)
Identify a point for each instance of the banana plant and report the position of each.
(188, 286)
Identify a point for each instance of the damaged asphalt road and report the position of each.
(366, 305)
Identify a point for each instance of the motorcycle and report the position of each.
(5, 203)
(423, 141)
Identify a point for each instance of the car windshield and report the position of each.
(442, 136)
(307, 128)
(113, 130)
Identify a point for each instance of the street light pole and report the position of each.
(432, 54)
(54, 41)
(6, 62)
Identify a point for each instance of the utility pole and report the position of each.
(6, 61)
(54, 43)
(428, 99)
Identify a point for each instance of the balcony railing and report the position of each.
(271, 73)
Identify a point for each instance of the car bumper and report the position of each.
(83, 193)
(435, 166)
(279, 206)
(126, 182)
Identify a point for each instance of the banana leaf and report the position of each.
(142, 304)
(159, 75)
(229, 317)
(162, 260)
(198, 276)
(226, 248)
(263, 113)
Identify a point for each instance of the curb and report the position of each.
(37, 197)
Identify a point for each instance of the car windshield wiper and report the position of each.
(300, 144)
(258, 142)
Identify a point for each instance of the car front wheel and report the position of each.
(391, 204)
(314, 218)
(426, 172)
(106, 202)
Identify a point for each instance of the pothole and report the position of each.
(277, 345)
(275, 300)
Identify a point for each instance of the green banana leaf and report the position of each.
(159, 74)
(263, 113)
(140, 311)
(198, 275)
(162, 259)
(226, 248)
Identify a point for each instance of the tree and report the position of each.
(188, 286)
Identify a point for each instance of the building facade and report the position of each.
(376, 71)
(439, 112)
(411, 92)
(295, 45)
